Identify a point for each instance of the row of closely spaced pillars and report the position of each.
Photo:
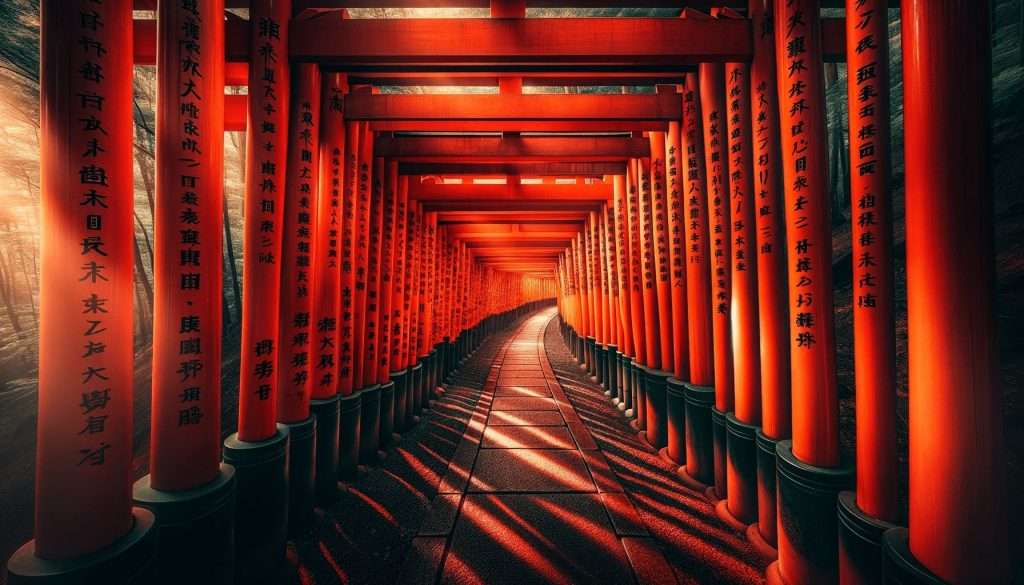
(721, 346)
(356, 303)
(700, 295)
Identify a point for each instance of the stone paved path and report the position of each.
(528, 497)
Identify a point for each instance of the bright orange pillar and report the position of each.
(610, 255)
(698, 243)
(388, 263)
(326, 340)
(266, 160)
(958, 527)
(677, 250)
(188, 221)
(361, 252)
(809, 471)
(325, 330)
(662, 255)
(346, 311)
(867, 50)
(712, 87)
(426, 334)
(373, 263)
(294, 352)
(742, 428)
(652, 332)
(622, 268)
(399, 306)
(636, 303)
(84, 429)
(773, 312)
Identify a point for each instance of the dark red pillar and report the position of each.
(958, 529)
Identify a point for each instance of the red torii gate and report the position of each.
(406, 294)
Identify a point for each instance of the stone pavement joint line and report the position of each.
(528, 497)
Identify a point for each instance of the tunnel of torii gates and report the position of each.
(684, 234)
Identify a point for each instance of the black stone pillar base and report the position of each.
(416, 391)
(326, 413)
(718, 435)
(860, 543)
(130, 560)
(640, 398)
(766, 499)
(387, 414)
(611, 372)
(700, 451)
(401, 380)
(655, 382)
(434, 381)
(261, 505)
(369, 425)
(675, 413)
(349, 435)
(601, 361)
(626, 388)
(588, 355)
(741, 465)
(808, 523)
(620, 385)
(899, 567)
(197, 524)
(301, 476)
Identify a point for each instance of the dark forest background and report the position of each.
(19, 242)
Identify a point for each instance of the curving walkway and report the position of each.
(530, 496)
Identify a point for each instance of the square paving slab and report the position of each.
(528, 403)
(533, 539)
(523, 391)
(525, 418)
(530, 470)
(527, 437)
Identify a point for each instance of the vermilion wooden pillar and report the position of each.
(326, 334)
(369, 439)
(636, 302)
(185, 443)
(300, 206)
(657, 378)
(958, 529)
(601, 276)
(84, 429)
(662, 258)
(361, 252)
(648, 267)
(622, 269)
(675, 392)
(609, 256)
(677, 183)
(346, 312)
(399, 372)
(185, 455)
(412, 274)
(867, 513)
(712, 89)
(698, 243)
(809, 471)
(258, 450)
(773, 311)
(389, 176)
(742, 426)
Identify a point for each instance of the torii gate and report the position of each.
(692, 240)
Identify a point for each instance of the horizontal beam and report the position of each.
(487, 230)
(510, 192)
(531, 169)
(485, 149)
(635, 126)
(512, 206)
(599, 69)
(508, 244)
(535, 79)
(494, 107)
(537, 42)
(458, 218)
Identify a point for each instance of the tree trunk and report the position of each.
(5, 291)
(230, 257)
